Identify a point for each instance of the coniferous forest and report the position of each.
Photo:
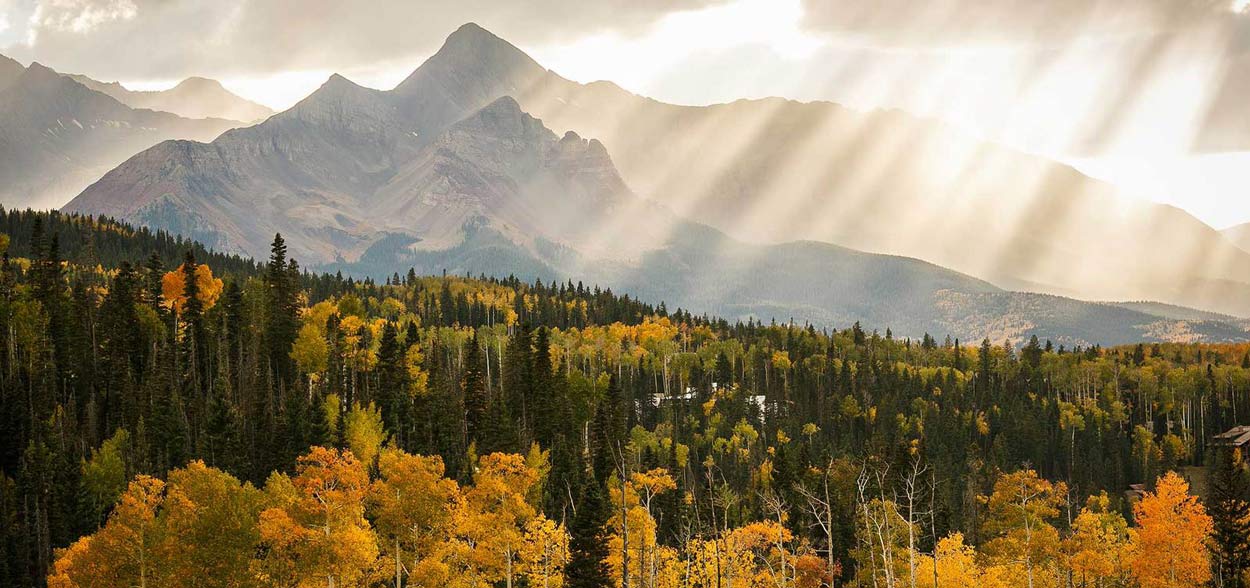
(171, 416)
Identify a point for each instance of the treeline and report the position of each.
(851, 449)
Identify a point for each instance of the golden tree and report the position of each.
(491, 520)
(174, 285)
(411, 503)
(1097, 550)
(125, 553)
(1019, 513)
(317, 535)
(1169, 550)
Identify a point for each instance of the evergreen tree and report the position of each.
(587, 565)
(393, 385)
(475, 396)
(1230, 512)
(543, 393)
(282, 313)
(608, 431)
(518, 377)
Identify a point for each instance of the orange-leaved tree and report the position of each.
(174, 287)
(1169, 550)
(316, 534)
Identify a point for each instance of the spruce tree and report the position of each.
(1230, 511)
(392, 384)
(543, 393)
(608, 433)
(282, 313)
(475, 396)
(518, 377)
(587, 566)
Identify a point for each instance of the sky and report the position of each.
(1124, 90)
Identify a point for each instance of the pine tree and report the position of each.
(518, 377)
(282, 313)
(543, 392)
(587, 566)
(1230, 513)
(608, 431)
(475, 398)
(393, 385)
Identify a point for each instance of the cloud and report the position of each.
(943, 22)
(165, 39)
(80, 16)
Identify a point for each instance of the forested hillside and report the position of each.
(174, 417)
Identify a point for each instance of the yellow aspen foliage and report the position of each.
(125, 552)
(310, 351)
(953, 566)
(411, 505)
(174, 284)
(546, 550)
(493, 516)
(1020, 511)
(318, 535)
(1098, 547)
(363, 432)
(1169, 550)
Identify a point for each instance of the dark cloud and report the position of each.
(129, 39)
(911, 22)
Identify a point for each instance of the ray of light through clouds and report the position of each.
(1118, 88)
(1118, 93)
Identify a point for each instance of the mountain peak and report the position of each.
(472, 67)
(199, 83)
(41, 69)
(336, 86)
(41, 75)
(471, 34)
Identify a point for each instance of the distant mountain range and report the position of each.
(448, 171)
(193, 97)
(57, 135)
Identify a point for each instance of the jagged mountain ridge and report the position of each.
(194, 97)
(57, 136)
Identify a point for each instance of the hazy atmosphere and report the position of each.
(625, 294)
(1126, 90)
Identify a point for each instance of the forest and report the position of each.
(172, 416)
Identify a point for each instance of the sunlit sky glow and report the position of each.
(1113, 104)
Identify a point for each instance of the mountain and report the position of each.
(356, 181)
(193, 97)
(57, 136)
(1239, 236)
(10, 71)
(774, 170)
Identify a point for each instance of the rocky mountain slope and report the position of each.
(354, 185)
(193, 97)
(57, 136)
